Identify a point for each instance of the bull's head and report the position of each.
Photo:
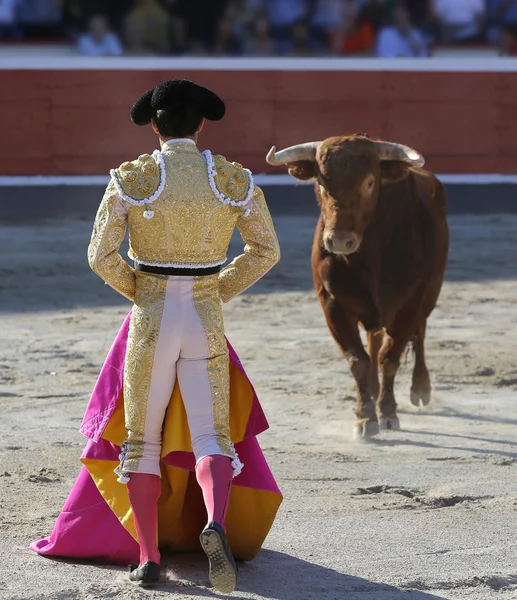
(349, 171)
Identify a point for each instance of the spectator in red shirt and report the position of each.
(353, 35)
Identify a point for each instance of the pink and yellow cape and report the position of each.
(96, 521)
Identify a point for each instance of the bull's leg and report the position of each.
(421, 386)
(395, 341)
(375, 339)
(345, 331)
(389, 361)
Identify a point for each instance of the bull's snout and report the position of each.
(346, 243)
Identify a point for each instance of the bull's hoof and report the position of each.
(365, 428)
(420, 399)
(389, 424)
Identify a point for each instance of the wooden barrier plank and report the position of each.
(507, 130)
(30, 165)
(26, 86)
(79, 120)
(236, 85)
(508, 88)
(437, 128)
(25, 127)
(442, 87)
(471, 164)
(100, 89)
(80, 131)
(247, 128)
(98, 163)
(297, 122)
(320, 86)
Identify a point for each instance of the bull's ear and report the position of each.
(303, 169)
(393, 170)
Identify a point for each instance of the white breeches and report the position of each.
(176, 331)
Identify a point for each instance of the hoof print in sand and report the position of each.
(45, 476)
(386, 489)
(418, 497)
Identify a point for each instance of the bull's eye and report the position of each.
(370, 184)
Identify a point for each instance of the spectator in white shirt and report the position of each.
(99, 41)
(401, 39)
(460, 19)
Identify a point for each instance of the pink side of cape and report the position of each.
(87, 528)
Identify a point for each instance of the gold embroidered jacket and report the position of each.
(181, 207)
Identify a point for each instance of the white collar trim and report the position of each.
(179, 141)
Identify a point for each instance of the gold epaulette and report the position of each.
(233, 180)
(141, 179)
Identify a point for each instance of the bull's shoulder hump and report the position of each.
(431, 190)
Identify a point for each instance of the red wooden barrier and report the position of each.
(66, 122)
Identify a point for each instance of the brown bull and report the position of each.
(378, 260)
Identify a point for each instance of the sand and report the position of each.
(423, 514)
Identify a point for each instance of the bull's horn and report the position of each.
(292, 154)
(392, 151)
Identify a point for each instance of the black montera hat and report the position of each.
(177, 94)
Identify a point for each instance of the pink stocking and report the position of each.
(144, 490)
(214, 475)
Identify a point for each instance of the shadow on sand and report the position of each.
(272, 576)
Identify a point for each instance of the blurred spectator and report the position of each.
(502, 20)
(326, 16)
(9, 19)
(418, 10)
(503, 12)
(114, 10)
(300, 41)
(73, 18)
(99, 41)
(259, 42)
(41, 11)
(378, 12)
(508, 42)
(283, 16)
(198, 22)
(460, 20)
(264, 27)
(353, 35)
(42, 18)
(226, 42)
(149, 24)
(401, 39)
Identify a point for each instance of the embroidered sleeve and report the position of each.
(261, 252)
(103, 252)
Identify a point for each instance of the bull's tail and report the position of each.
(411, 346)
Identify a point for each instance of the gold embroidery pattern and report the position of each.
(208, 307)
(190, 226)
(261, 253)
(232, 180)
(139, 178)
(108, 233)
(143, 335)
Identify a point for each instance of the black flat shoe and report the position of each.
(148, 574)
(223, 571)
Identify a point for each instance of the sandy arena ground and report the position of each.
(425, 514)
